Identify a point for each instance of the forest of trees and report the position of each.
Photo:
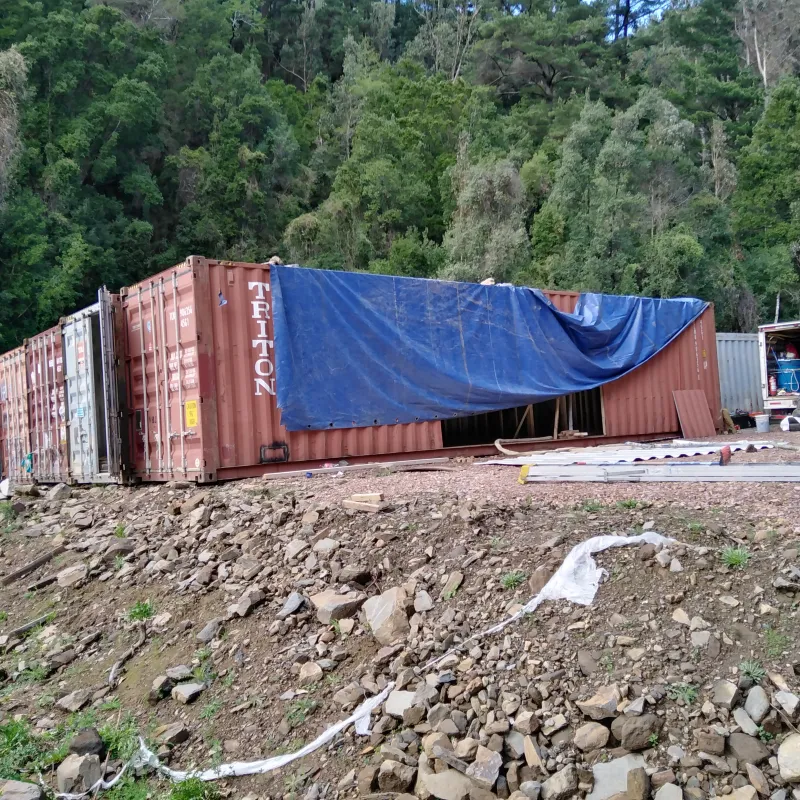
(629, 146)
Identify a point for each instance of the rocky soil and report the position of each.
(236, 622)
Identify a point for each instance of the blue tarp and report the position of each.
(356, 349)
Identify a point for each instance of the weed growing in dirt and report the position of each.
(3, 616)
(141, 610)
(119, 531)
(511, 580)
(293, 782)
(776, 642)
(652, 740)
(46, 701)
(607, 663)
(591, 506)
(696, 527)
(752, 669)
(19, 749)
(34, 674)
(194, 789)
(497, 543)
(299, 711)
(119, 563)
(111, 705)
(683, 691)
(8, 518)
(337, 628)
(765, 736)
(210, 710)
(204, 672)
(629, 504)
(129, 789)
(450, 595)
(228, 682)
(735, 557)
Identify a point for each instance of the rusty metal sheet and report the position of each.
(693, 413)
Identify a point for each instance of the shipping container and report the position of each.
(201, 393)
(47, 407)
(14, 439)
(200, 382)
(779, 363)
(93, 391)
(739, 372)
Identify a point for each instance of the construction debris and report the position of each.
(695, 472)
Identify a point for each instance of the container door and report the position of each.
(111, 407)
(14, 443)
(81, 399)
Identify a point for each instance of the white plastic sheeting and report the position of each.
(576, 580)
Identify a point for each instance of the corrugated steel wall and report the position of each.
(739, 372)
(642, 402)
(14, 437)
(247, 413)
(47, 406)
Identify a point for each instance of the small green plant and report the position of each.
(119, 531)
(450, 594)
(511, 580)
(752, 669)
(652, 740)
(590, 506)
(194, 789)
(141, 610)
(696, 527)
(607, 663)
(210, 710)
(119, 563)
(735, 557)
(776, 642)
(46, 701)
(497, 543)
(337, 627)
(34, 674)
(299, 711)
(629, 504)
(8, 518)
(3, 616)
(764, 735)
(228, 681)
(111, 705)
(293, 782)
(682, 691)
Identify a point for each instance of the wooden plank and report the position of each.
(368, 497)
(372, 508)
(299, 473)
(693, 413)
(35, 564)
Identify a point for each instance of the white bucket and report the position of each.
(762, 423)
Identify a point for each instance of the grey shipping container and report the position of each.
(739, 372)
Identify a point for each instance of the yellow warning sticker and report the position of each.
(191, 413)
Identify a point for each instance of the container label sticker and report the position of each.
(79, 412)
(191, 413)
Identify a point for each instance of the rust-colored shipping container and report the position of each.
(47, 407)
(641, 402)
(14, 439)
(201, 385)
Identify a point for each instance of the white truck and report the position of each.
(779, 351)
